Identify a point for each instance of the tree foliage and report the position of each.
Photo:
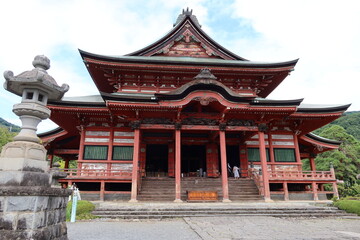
(5, 136)
(72, 163)
(10, 126)
(346, 159)
(350, 122)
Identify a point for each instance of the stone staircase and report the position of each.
(243, 190)
(163, 189)
(177, 211)
(157, 189)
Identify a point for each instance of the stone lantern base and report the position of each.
(24, 164)
(29, 207)
(33, 213)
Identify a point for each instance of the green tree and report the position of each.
(5, 136)
(346, 159)
(6, 124)
(72, 163)
(350, 122)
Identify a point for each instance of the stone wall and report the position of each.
(33, 213)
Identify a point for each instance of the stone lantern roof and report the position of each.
(37, 78)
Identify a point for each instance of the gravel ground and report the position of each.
(217, 228)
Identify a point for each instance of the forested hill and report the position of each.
(350, 122)
(11, 127)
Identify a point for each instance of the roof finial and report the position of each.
(187, 13)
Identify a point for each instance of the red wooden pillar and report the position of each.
(177, 165)
(110, 150)
(81, 147)
(265, 174)
(271, 152)
(66, 165)
(171, 160)
(315, 192)
(51, 159)
(312, 163)
(135, 170)
(297, 152)
(286, 191)
(224, 176)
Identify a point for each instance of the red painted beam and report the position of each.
(66, 151)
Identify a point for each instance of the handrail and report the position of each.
(90, 173)
(301, 175)
(255, 175)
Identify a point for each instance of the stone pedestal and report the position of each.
(24, 164)
(33, 212)
(29, 207)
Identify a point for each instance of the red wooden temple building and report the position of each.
(179, 113)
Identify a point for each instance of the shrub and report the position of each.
(83, 210)
(350, 206)
(344, 191)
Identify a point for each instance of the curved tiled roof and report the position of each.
(313, 108)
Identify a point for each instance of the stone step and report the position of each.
(190, 207)
(219, 212)
(168, 211)
(163, 189)
(280, 215)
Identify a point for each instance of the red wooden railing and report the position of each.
(254, 174)
(98, 173)
(291, 175)
(301, 175)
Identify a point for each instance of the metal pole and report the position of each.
(74, 205)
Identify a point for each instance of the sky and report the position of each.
(323, 34)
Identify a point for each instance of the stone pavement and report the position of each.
(217, 228)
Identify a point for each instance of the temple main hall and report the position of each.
(172, 120)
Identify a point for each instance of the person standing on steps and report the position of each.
(236, 172)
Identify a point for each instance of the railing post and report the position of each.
(286, 191)
(102, 191)
(315, 192)
(334, 184)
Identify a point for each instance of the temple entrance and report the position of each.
(233, 158)
(193, 160)
(156, 160)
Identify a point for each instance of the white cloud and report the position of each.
(323, 34)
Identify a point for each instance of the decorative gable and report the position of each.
(187, 39)
(187, 45)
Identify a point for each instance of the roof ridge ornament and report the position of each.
(187, 13)
(205, 74)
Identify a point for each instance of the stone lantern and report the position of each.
(26, 153)
(29, 207)
(36, 87)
